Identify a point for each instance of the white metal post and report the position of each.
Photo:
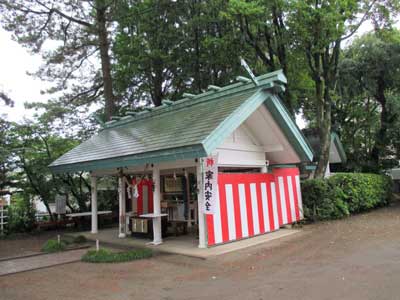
(1, 219)
(122, 209)
(202, 223)
(157, 238)
(93, 184)
(189, 210)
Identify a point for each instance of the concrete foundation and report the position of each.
(184, 245)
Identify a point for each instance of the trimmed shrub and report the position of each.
(321, 201)
(53, 246)
(343, 194)
(106, 256)
(362, 192)
(80, 239)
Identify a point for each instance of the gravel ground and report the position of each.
(356, 258)
(25, 244)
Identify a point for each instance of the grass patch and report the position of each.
(106, 256)
(53, 246)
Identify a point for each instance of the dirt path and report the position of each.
(39, 261)
(24, 244)
(356, 258)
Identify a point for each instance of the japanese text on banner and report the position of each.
(210, 181)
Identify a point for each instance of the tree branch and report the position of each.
(364, 17)
(94, 90)
(63, 15)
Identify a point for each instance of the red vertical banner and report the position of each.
(148, 185)
(223, 210)
(260, 208)
(150, 194)
(210, 229)
(238, 221)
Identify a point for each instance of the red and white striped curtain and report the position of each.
(253, 204)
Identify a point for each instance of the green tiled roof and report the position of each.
(189, 128)
(312, 136)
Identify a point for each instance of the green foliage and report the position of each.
(21, 215)
(165, 48)
(75, 28)
(343, 194)
(362, 192)
(368, 106)
(80, 239)
(322, 201)
(106, 256)
(53, 246)
(28, 149)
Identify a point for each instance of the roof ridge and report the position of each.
(269, 80)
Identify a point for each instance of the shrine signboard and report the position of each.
(210, 181)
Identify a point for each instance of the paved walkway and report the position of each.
(40, 261)
(184, 245)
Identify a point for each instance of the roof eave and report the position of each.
(174, 154)
(215, 138)
(289, 128)
(339, 146)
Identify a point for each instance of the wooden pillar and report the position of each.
(157, 238)
(122, 208)
(93, 184)
(200, 195)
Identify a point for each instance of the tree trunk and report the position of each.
(325, 138)
(280, 28)
(158, 82)
(380, 140)
(325, 63)
(110, 105)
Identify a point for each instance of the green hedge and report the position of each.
(343, 194)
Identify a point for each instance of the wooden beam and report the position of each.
(213, 88)
(167, 102)
(243, 79)
(188, 95)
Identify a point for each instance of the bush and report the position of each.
(106, 256)
(80, 239)
(363, 191)
(343, 194)
(21, 215)
(322, 201)
(53, 246)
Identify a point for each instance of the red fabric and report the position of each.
(219, 224)
(149, 184)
